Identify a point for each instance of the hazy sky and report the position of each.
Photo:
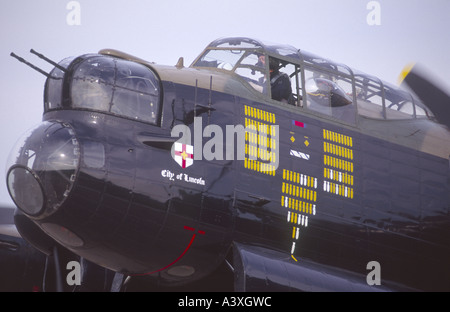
(376, 37)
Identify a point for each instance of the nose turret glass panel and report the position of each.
(42, 168)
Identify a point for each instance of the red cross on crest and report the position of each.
(183, 154)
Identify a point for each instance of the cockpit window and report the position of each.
(223, 59)
(116, 86)
(245, 63)
(299, 78)
(380, 100)
(330, 93)
(253, 70)
(399, 104)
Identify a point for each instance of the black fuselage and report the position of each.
(339, 196)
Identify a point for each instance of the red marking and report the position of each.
(175, 261)
(193, 230)
(298, 123)
(180, 256)
(183, 154)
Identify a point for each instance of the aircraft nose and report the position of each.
(42, 168)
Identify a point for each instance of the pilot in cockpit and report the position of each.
(279, 81)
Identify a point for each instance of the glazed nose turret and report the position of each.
(42, 168)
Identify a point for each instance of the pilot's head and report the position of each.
(274, 64)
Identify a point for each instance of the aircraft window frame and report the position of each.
(240, 43)
(246, 71)
(324, 93)
(296, 77)
(392, 102)
(422, 111)
(294, 72)
(224, 62)
(249, 70)
(121, 88)
(325, 64)
(381, 101)
(370, 96)
(53, 95)
(395, 97)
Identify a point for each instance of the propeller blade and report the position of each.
(436, 99)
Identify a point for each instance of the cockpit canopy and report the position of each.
(243, 56)
(349, 92)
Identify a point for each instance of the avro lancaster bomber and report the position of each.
(288, 170)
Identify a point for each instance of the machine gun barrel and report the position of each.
(48, 60)
(22, 60)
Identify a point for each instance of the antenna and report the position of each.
(180, 63)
